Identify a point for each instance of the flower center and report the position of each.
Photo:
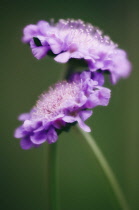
(56, 100)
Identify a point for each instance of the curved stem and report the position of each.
(54, 176)
(106, 169)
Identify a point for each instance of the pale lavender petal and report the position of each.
(20, 132)
(99, 97)
(27, 125)
(43, 27)
(69, 119)
(104, 96)
(77, 55)
(120, 67)
(29, 32)
(24, 116)
(63, 57)
(55, 45)
(114, 78)
(82, 98)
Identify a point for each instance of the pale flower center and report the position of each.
(83, 34)
(56, 100)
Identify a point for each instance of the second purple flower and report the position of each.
(62, 105)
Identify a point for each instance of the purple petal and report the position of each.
(63, 57)
(27, 125)
(39, 51)
(82, 98)
(99, 77)
(104, 96)
(46, 124)
(77, 55)
(43, 26)
(83, 126)
(24, 116)
(52, 136)
(20, 132)
(99, 97)
(91, 102)
(85, 75)
(39, 137)
(59, 123)
(84, 115)
(39, 129)
(114, 78)
(29, 32)
(26, 144)
(69, 119)
(55, 45)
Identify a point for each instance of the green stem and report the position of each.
(54, 176)
(106, 169)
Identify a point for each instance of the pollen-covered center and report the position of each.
(76, 25)
(82, 33)
(56, 100)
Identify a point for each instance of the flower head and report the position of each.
(75, 39)
(62, 105)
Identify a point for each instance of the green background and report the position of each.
(25, 175)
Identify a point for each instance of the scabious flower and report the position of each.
(65, 103)
(75, 39)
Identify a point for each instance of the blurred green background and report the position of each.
(83, 185)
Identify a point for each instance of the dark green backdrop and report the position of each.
(24, 175)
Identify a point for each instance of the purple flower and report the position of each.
(61, 106)
(75, 39)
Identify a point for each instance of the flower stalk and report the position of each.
(106, 169)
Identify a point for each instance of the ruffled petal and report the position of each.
(99, 97)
